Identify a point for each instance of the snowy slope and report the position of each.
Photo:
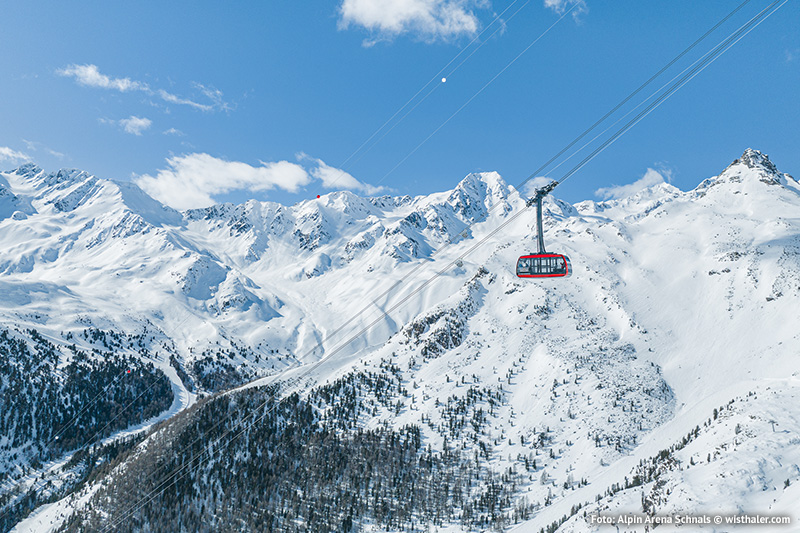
(244, 272)
(680, 303)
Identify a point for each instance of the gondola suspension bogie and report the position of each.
(543, 264)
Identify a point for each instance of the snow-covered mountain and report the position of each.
(661, 377)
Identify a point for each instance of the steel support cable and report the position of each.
(603, 118)
(465, 104)
(387, 291)
(432, 80)
(187, 468)
(623, 117)
(717, 51)
(710, 58)
(385, 133)
(421, 265)
(635, 92)
(620, 119)
(593, 126)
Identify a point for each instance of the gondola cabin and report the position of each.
(544, 266)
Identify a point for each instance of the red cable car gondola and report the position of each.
(543, 264)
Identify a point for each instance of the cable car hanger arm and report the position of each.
(540, 193)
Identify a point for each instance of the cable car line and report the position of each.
(436, 86)
(544, 265)
(720, 49)
(465, 104)
(716, 52)
(436, 252)
(635, 92)
(421, 89)
(562, 261)
(443, 69)
(519, 186)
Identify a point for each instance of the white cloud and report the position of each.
(428, 19)
(174, 131)
(650, 178)
(215, 95)
(192, 180)
(58, 155)
(12, 156)
(90, 76)
(560, 6)
(335, 178)
(135, 125)
(173, 99)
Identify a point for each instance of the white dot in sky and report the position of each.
(444, 80)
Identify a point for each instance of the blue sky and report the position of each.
(209, 101)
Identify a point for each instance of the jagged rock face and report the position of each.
(755, 159)
(757, 163)
(607, 388)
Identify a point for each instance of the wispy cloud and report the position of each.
(650, 178)
(336, 178)
(34, 146)
(191, 181)
(13, 156)
(174, 99)
(560, 6)
(135, 125)
(215, 95)
(90, 76)
(174, 131)
(429, 20)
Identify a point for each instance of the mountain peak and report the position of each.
(477, 194)
(756, 160)
(28, 170)
(489, 181)
(485, 187)
(756, 164)
(751, 166)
